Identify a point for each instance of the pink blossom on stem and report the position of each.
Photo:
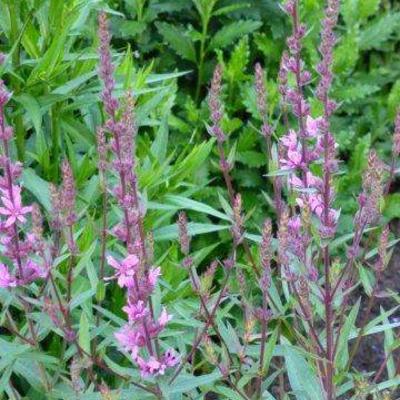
(134, 272)
(136, 311)
(125, 269)
(6, 279)
(12, 208)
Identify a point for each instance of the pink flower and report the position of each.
(316, 202)
(157, 326)
(136, 311)
(126, 269)
(152, 278)
(31, 272)
(293, 160)
(294, 224)
(164, 318)
(170, 358)
(13, 209)
(290, 140)
(6, 280)
(312, 126)
(151, 367)
(130, 338)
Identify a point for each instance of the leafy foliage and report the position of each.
(165, 53)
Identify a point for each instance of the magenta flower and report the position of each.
(150, 367)
(312, 126)
(6, 280)
(126, 269)
(152, 278)
(31, 272)
(13, 208)
(136, 311)
(290, 140)
(130, 338)
(171, 358)
(164, 318)
(294, 159)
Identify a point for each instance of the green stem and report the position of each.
(55, 139)
(14, 12)
(202, 55)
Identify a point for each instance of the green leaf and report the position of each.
(188, 204)
(342, 350)
(84, 333)
(388, 346)
(379, 31)
(302, 378)
(32, 108)
(38, 187)
(369, 8)
(392, 209)
(51, 58)
(73, 84)
(269, 349)
(230, 32)
(394, 99)
(160, 143)
(186, 383)
(100, 291)
(346, 53)
(230, 8)
(252, 159)
(178, 40)
(349, 11)
(170, 232)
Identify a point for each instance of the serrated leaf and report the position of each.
(230, 32)
(230, 8)
(178, 40)
(369, 8)
(253, 159)
(379, 31)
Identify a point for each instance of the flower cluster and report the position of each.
(311, 142)
(19, 249)
(133, 272)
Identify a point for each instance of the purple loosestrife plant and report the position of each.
(307, 216)
(132, 270)
(21, 250)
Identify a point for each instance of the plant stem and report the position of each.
(55, 140)
(371, 302)
(202, 55)
(262, 354)
(15, 36)
(203, 332)
(207, 313)
(231, 193)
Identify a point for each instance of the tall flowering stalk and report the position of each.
(21, 245)
(312, 143)
(19, 248)
(216, 114)
(266, 132)
(132, 270)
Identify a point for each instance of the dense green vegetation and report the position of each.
(165, 52)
